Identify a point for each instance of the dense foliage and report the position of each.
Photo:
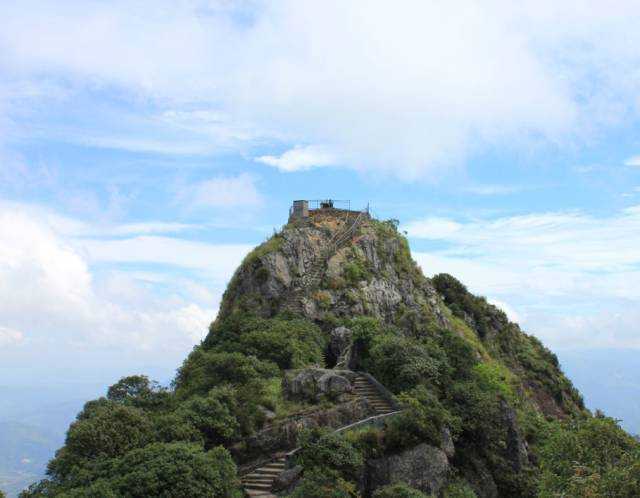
(146, 440)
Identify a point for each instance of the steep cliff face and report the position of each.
(370, 274)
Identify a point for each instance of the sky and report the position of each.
(146, 147)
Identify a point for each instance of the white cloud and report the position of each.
(300, 158)
(633, 161)
(511, 313)
(10, 337)
(561, 271)
(216, 259)
(404, 89)
(52, 293)
(432, 228)
(222, 192)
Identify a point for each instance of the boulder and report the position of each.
(287, 479)
(334, 386)
(312, 384)
(423, 467)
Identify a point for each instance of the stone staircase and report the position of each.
(313, 275)
(365, 389)
(260, 480)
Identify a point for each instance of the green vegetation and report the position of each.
(324, 484)
(459, 489)
(146, 440)
(590, 457)
(398, 491)
(324, 450)
(462, 372)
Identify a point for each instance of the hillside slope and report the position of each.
(433, 391)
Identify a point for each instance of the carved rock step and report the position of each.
(260, 480)
(367, 390)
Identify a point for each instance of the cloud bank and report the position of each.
(569, 276)
(63, 288)
(401, 88)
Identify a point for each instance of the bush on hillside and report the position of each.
(323, 450)
(203, 370)
(592, 457)
(399, 491)
(215, 416)
(324, 484)
(422, 421)
(139, 391)
(461, 302)
(289, 343)
(109, 431)
(402, 363)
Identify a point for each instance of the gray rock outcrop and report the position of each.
(423, 467)
(312, 384)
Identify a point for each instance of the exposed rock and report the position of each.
(287, 479)
(517, 449)
(479, 477)
(423, 467)
(312, 384)
(263, 282)
(341, 347)
(268, 414)
(447, 443)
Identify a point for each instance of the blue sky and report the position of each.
(146, 147)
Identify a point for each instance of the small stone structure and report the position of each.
(303, 209)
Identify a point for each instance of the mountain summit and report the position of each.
(335, 368)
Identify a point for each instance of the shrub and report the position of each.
(401, 363)
(203, 370)
(355, 271)
(138, 390)
(593, 457)
(494, 377)
(176, 469)
(213, 415)
(422, 421)
(324, 450)
(110, 431)
(461, 302)
(459, 489)
(398, 491)
(289, 343)
(324, 484)
(369, 442)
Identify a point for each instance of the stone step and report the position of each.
(260, 486)
(259, 493)
(268, 471)
(257, 478)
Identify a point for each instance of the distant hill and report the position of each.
(25, 452)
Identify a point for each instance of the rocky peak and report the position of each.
(334, 265)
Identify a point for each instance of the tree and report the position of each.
(110, 430)
(175, 469)
(593, 457)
